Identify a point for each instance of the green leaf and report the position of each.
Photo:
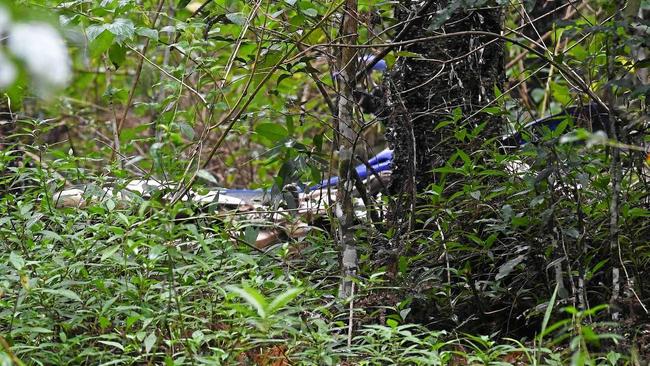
(16, 260)
(561, 93)
(108, 252)
(272, 131)
(237, 18)
(64, 293)
(117, 55)
(253, 297)
(407, 54)
(123, 29)
(186, 130)
(310, 12)
(250, 234)
(507, 267)
(149, 342)
(113, 344)
(47, 234)
(99, 44)
(94, 31)
(147, 32)
(207, 176)
(283, 299)
(548, 312)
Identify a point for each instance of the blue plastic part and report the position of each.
(362, 170)
(385, 155)
(381, 65)
(379, 163)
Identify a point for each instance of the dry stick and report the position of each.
(5, 345)
(145, 58)
(447, 262)
(138, 72)
(615, 173)
(319, 83)
(558, 45)
(547, 88)
(233, 55)
(201, 8)
(570, 13)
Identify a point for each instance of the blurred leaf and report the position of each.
(147, 32)
(149, 342)
(272, 131)
(252, 297)
(16, 260)
(117, 55)
(283, 299)
(63, 293)
(507, 267)
(237, 18)
(123, 29)
(101, 43)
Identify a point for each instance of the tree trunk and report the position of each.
(458, 75)
(347, 129)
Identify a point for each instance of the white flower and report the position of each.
(44, 53)
(7, 71)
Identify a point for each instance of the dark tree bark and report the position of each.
(431, 98)
(456, 73)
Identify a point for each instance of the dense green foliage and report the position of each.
(235, 94)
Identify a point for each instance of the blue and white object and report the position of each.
(379, 163)
(381, 65)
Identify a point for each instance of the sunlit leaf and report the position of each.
(252, 297)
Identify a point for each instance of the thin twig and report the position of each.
(138, 72)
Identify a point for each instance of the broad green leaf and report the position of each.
(117, 55)
(186, 130)
(182, 4)
(272, 131)
(100, 43)
(250, 234)
(253, 297)
(149, 342)
(93, 31)
(237, 18)
(113, 344)
(283, 299)
(123, 29)
(204, 174)
(16, 260)
(64, 293)
(47, 234)
(147, 32)
(310, 12)
(108, 252)
(507, 267)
